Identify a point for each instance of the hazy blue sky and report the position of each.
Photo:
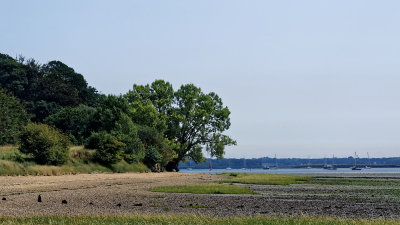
(301, 78)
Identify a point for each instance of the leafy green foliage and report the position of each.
(126, 131)
(74, 122)
(193, 119)
(46, 88)
(160, 94)
(12, 118)
(42, 109)
(13, 75)
(152, 157)
(172, 125)
(199, 119)
(109, 149)
(46, 144)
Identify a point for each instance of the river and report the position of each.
(294, 171)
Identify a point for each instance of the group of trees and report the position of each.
(151, 123)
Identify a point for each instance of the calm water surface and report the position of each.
(292, 171)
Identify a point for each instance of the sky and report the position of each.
(301, 78)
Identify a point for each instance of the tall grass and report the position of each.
(257, 178)
(80, 162)
(191, 219)
(7, 152)
(204, 189)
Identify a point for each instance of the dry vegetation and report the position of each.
(13, 163)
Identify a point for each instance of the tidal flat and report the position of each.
(338, 196)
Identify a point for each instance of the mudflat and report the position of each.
(369, 196)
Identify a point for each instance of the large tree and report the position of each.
(198, 120)
(195, 120)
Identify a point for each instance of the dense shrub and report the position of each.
(73, 121)
(46, 144)
(109, 149)
(126, 131)
(94, 140)
(152, 157)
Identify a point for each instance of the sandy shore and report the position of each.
(99, 194)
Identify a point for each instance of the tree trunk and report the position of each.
(172, 166)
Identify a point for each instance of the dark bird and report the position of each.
(90, 203)
(39, 199)
(64, 201)
(119, 204)
(4, 198)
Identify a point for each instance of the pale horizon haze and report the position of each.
(301, 78)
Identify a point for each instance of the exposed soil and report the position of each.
(99, 194)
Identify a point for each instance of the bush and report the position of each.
(46, 144)
(73, 121)
(125, 130)
(94, 140)
(109, 149)
(152, 157)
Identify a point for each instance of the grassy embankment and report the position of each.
(266, 179)
(190, 219)
(14, 163)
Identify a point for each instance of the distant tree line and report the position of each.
(153, 123)
(257, 163)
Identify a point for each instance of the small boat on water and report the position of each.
(330, 167)
(275, 167)
(369, 163)
(355, 167)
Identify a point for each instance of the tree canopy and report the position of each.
(45, 88)
(13, 118)
(194, 119)
(151, 123)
